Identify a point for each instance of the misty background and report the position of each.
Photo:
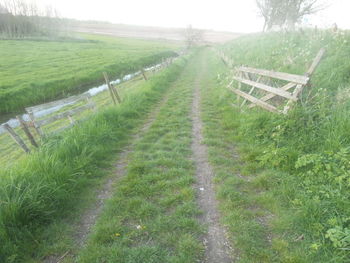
(223, 15)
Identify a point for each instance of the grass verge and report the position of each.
(285, 197)
(44, 185)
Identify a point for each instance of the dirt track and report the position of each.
(217, 246)
(215, 242)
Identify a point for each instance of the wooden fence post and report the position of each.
(143, 74)
(109, 87)
(239, 88)
(16, 137)
(27, 131)
(116, 94)
(36, 127)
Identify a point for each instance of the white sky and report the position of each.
(227, 15)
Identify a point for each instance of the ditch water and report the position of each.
(13, 122)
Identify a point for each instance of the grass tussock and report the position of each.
(47, 182)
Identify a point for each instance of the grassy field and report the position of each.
(35, 71)
(290, 199)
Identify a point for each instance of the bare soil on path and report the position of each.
(89, 218)
(217, 247)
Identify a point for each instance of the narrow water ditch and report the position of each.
(13, 122)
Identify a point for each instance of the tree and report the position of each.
(286, 13)
(23, 18)
(297, 9)
(270, 10)
(193, 36)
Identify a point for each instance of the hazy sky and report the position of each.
(228, 15)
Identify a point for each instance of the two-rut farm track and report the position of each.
(215, 242)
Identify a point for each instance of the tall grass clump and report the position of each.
(42, 186)
(310, 146)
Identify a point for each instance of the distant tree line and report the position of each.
(286, 13)
(20, 18)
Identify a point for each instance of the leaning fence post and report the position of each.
(109, 87)
(239, 88)
(116, 94)
(143, 74)
(27, 131)
(36, 127)
(16, 137)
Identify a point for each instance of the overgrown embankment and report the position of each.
(43, 186)
(295, 169)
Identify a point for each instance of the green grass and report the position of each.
(33, 72)
(10, 152)
(45, 187)
(237, 201)
(156, 194)
(283, 181)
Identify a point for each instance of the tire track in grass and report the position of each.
(89, 218)
(242, 194)
(216, 243)
(152, 216)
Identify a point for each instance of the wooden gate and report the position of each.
(269, 89)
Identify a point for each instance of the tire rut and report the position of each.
(89, 218)
(217, 246)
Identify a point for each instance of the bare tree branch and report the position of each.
(193, 36)
(287, 13)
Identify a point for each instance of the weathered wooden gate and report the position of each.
(270, 90)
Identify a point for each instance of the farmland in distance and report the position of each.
(36, 71)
